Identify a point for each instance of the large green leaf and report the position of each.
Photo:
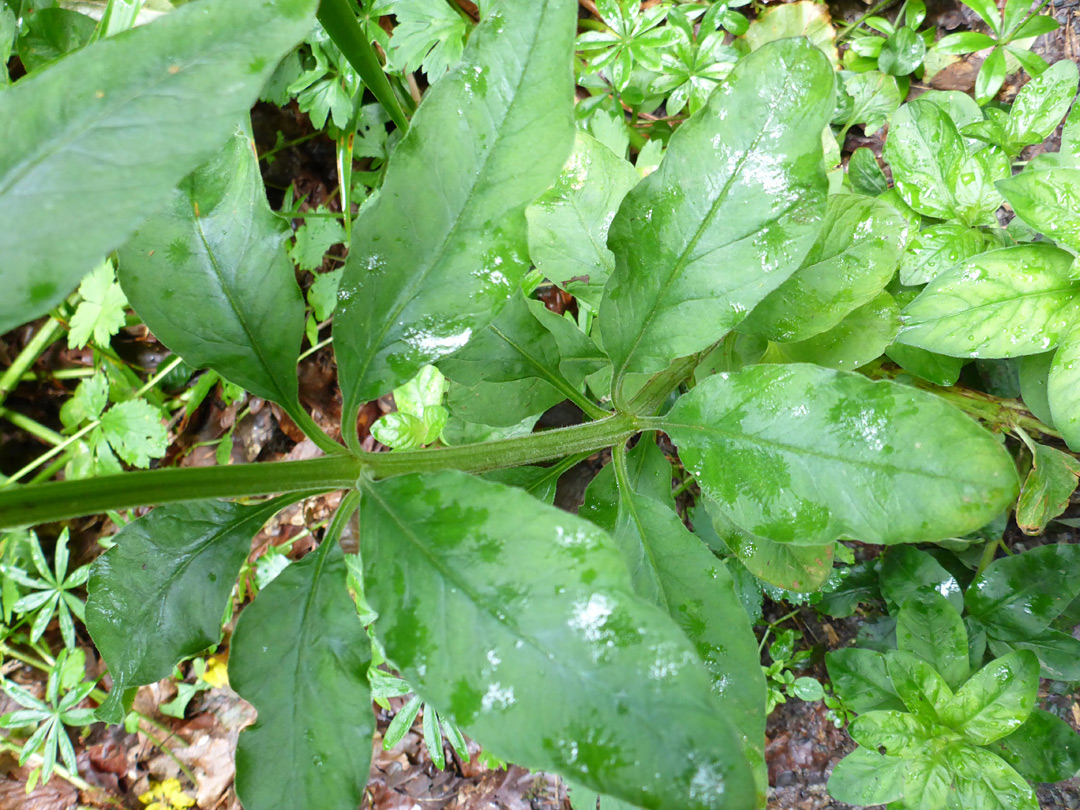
(850, 263)
(1017, 597)
(867, 777)
(520, 623)
(1044, 749)
(932, 169)
(986, 782)
(897, 732)
(300, 656)
(937, 249)
(861, 679)
(210, 277)
(1048, 201)
(906, 570)
(568, 225)
(1004, 303)
(930, 627)
(927, 783)
(996, 700)
(1063, 388)
(1041, 104)
(1058, 652)
(919, 685)
(94, 143)
(693, 257)
(440, 250)
(159, 595)
(805, 455)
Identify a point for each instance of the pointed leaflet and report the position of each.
(939, 248)
(125, 101)
(730, 213)
(1048, 201)
(568, 225)
(1044, 749)
(866, 777)
(984, 781)
(861, 679)
(996, 700)
(930, 627)
(441, 249)
(853, 259)
(673, 569)
(1004, 303)
(519, 622)
(210, 277)
(1041, 104)
(300, 655)
(159, 595)
(1063, 388)
(805, 455)
(918, 684)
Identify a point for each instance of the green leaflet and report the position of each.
(853, 259)
(300, 655)
(1063, 387)
(692, 258)
(568, 225)
(865, 174)
(1044, 749)
(937, 249)
(937, 368)
(923, 691)
(426, 270)
(866, 777)
(1017, 597)
(519, 622)
(986, 782)
(1045, 493)
(930, 627)
(861, 679)
(1004, 303)
(123, 101)
(209, 275)
(906, 570)
(858, 339)
(795, 568)
(898, 733)
(1048, 201)
(159, 595)
(933, 171)
(1041, 104)
(996, 700)
(1034, 374)
(806, 455)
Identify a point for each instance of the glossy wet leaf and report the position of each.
(866, 777)
(927, 783)
(897, 732)
(804, 455)
(861, 679)
(1058, 652)
(997, 699)
(123, 101)
(937, 368)
(300, 656)
(906, 570)
(1034, 373)
(865, 174)
(568, 224)
(1063, 389)
(1041, 104)
(1047, 201)
(158, 596)
(692, 258)
(859, 338)
(902, 53)
(937, 249)
(932, 169)
(1045, 492)
(984, 780)
(501, 404)
(1044, 749)
(1004, 303)
(792, 567)
(852, 260)
(874, 97)
(1018, 596)
(919, 685)
(209, 275)
(930, 627)
(540, 647)
(426, 271)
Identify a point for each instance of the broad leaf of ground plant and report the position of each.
(158, 595)
(437, 254)
(520, 623)
(126, 101)
(728, 216)
(300, 655)
(209, 275)
(801, 454)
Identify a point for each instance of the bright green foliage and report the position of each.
(693, 258)
(316, 236)
(936, 748)
(1063, 389)
(420, 415)
(66, 128)
(789, 467)
(51, 591)
(159, 594)
(430, 35)
(100, 314)
(633, 39)
(426, 271)
(300, 656)
(612, 657)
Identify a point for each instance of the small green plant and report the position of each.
(901, 48)
(780, 675)
(50, 592)
(935, 729)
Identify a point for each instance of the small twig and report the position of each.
(590, 7)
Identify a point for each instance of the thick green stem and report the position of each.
(25, 506)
